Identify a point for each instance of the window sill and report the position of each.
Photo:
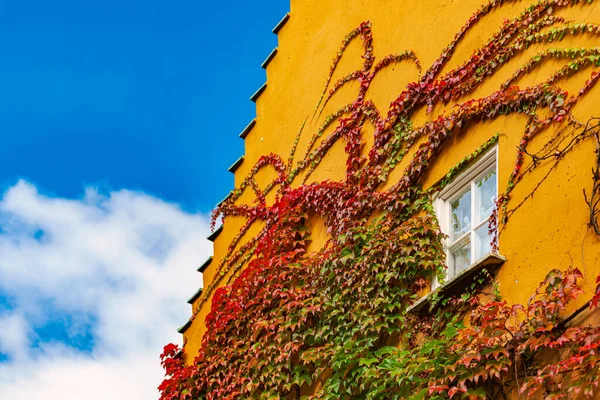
(455, 285)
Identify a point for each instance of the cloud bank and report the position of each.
(90, 291)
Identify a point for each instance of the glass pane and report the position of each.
(483, 242)
(461, 257)
(460, 216)
(486, 195)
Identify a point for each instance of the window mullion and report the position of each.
(479, 225)
(472, 232)
(448, 223)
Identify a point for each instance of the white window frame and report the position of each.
(441, 202)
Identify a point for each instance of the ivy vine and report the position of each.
(333, 323)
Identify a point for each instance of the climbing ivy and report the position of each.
(286, 322)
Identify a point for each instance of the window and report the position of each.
(464, 208)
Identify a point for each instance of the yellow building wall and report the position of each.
(548, 231)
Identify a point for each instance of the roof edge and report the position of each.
(248, 128)
(185, 327)
(219, 204)
(236, 164)
(205, 265)
(270, 57)
(195, 296)
(281, 23)
(257, 94)
(216, 233)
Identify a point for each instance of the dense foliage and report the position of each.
(333, 323)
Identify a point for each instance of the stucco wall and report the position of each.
(550, 230)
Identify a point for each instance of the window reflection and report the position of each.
(461, 215)
(486, 195)
(461, 257)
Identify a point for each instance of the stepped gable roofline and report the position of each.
(236, 164)
(205, 265)
(248, 128)
(269, 58)
(257, 94)
(185, 327)
(195, 296)
(281, 23)
(216, 233)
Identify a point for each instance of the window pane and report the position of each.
(486, 195)
(460, 216)
(483, 241)
(461, 257)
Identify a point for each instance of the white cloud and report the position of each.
(120, 265)
(14, 335)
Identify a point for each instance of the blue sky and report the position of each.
(119, 121)
(146, 95)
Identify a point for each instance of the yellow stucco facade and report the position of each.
(550, 230)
